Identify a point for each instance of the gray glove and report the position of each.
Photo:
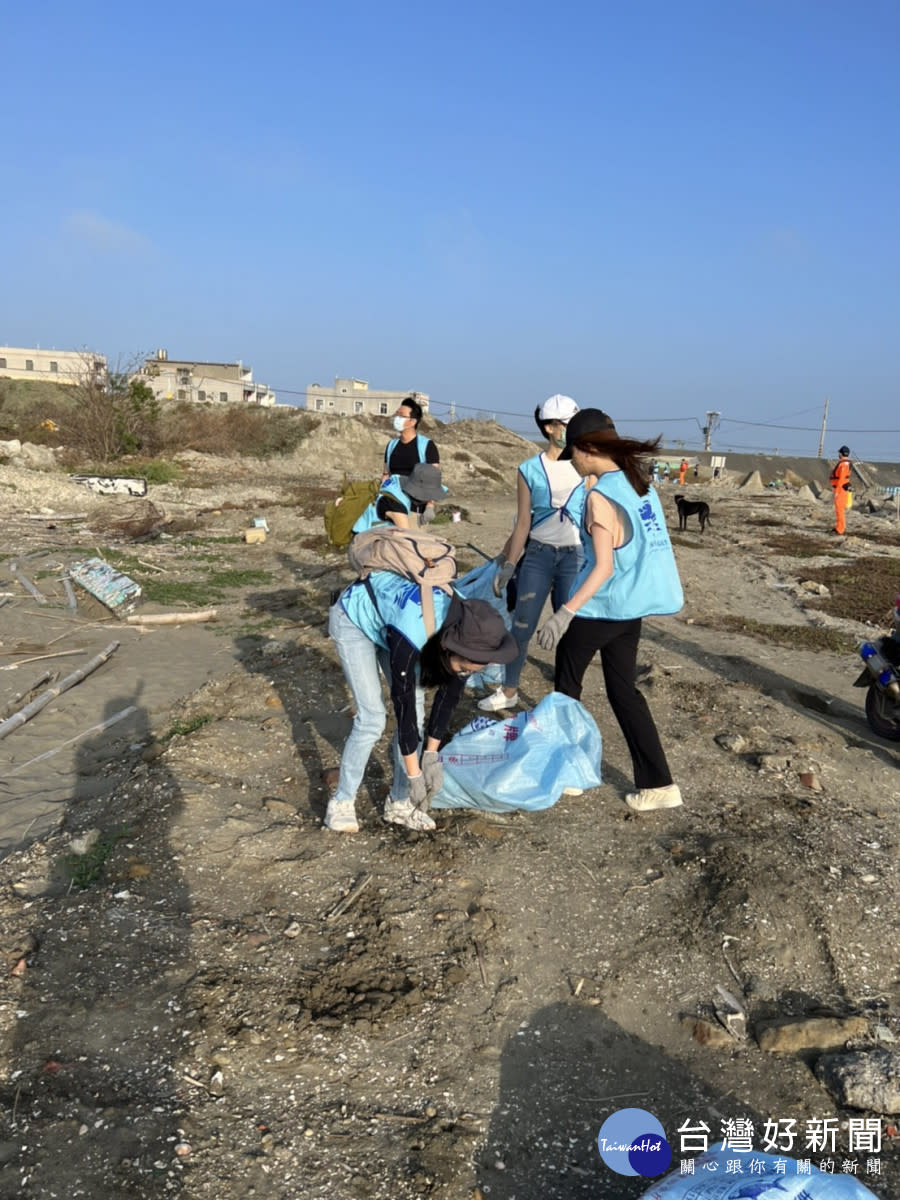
(504, 574)
(552, 631)
(428, 515)
(432, 771)
(418, 792)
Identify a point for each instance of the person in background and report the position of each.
(840, 485)
(629, 573)
(682, 472)
(398, 495)
(665, 473)
(408, 448)
(378, 623)
(545, 537)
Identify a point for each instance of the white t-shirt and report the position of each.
(563, 479)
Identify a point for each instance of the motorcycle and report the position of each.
(881, 676)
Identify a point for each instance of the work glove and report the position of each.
(427, 515)
(418, 792)
(504, 574)
(553, 629)
(432, 772)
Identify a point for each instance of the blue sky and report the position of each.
(660, 207)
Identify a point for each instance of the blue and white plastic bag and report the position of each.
(524, 762)
(770, 1178)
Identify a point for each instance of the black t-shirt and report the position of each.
(406, 455)
(387, 504)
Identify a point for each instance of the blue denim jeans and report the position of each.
(543, 571)
(361, 659)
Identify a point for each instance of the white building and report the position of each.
(203, 382)
(353, 398)
(51, 366)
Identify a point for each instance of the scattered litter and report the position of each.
(261, 523)
(112, 485)
(119, 593)
(254, 535)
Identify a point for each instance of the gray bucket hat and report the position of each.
(475, 630)
(424, 482)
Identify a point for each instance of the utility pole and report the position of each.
(712, 420)
(822, 434)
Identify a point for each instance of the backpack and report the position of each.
(342, 513)
(419, 557)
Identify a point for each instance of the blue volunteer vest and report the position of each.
(421, 445)
(369, 518)
(534, 473)
(397, 605)
(645, 579)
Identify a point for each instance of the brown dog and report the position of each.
(687, 507)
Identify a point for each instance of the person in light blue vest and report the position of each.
(545, 541)
(378, 623)
(629, 572)
(394, 502)
(408, 448)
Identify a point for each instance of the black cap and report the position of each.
(845, 450)
(585, 422)
(475, 630)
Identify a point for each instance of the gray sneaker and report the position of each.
(498, 700)
(404, 812)
(340, 816)
(650, 798)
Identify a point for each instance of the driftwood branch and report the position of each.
(32, 709)
(207, 614)
(29, 691)
(37, 658)
(79, 737)
(29, 586)
(352, 896)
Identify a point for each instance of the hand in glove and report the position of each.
(432, 771)
(504, 574)
(418, 792)
(428, 515)
(552, 631)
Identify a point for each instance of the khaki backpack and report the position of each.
(342, 513)
(420, 557)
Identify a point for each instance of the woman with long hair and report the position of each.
(544, 543)
(378, 623)
(629, 572)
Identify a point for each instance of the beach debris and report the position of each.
(26, 583)
(30, 710)
(112, 485)
(172, 618)
(79, 737)
(730, 1013)
(113, 589)
(350, 898)
(254, 535)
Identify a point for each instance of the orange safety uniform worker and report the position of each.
(682, 472)
(840, 483)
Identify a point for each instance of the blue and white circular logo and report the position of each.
(633, 1142)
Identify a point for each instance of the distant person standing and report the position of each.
(840, 485)
(665, 473)
(408, 448)
(682, 472)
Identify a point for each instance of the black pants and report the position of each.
(617, 642)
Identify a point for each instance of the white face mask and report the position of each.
(400, 423)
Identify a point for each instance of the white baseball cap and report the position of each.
(558, 408)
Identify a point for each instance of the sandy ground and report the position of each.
(204, 1019)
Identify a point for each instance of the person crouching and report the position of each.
(378, 623)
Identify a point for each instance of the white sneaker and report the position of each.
(498, 700)
(650, 798)
(404, 812)
(340, 816)
(573, 791)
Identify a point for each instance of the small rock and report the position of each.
(292, 930)
(773, 762)
(279, 808)
(810, 1033)
(84, 841)
(868, 1079)
(811, 780)
(707, 1033)
(732, 742)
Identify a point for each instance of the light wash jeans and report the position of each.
(361, 658)
(544, 571)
